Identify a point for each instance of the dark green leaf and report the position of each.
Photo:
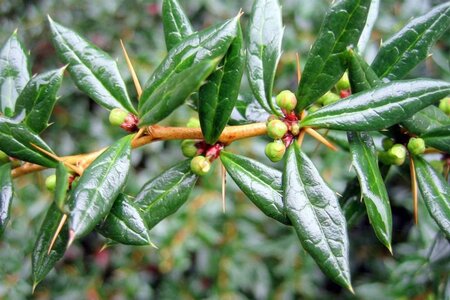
(62, 185)
(176, 23)
(379, 107)
(217, 97)
(361, 75)
(313, 209)
(438, 138)
(166, 193)
(365, 162)
(435, 192)
(98, 187)
(42, 262)
(175, 91)
(14, 73)
(264, 49)
(206, 45)
(325, 64)
(260, 183)
(16, 140)
(351, 203)
(38, 99)
(425, 120)
(124, 224)
(93, 70)
(6, 196)
(412, 44)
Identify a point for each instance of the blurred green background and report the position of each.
(205, 253)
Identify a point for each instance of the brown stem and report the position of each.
(156, 133)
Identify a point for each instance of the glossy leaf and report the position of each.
(98, 187)
(372, 17)
(217, 97)
(379, 107)
(42, 261)
(260, 183)
(438, 138)
(376, 199)
(92, 69)
(325, 64)
(206, 45)
(361, 76)
(175, 91)
(16, 140)
(435, 192)
(6, 196)
(264, 49)
(38, 99)
(14, 73)
(176, 24)
(412, 44)
(124, 223)
(166, 193)
(313, 209)
(61, 187)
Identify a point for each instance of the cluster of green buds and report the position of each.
(340, 91)
(444, 105)
(124, 119)
(395, 154)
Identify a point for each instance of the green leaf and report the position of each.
(206, 45)
(425, 120)
(6, 196)
(176, 24)
(372, 17)
(438, 138)
(361, 75)
(98, 187)
(38, 99)
(16, 140)
(166, 193)
(175, 91)
(325, 64)
(412, 44)
(380, 107)
(14, 73)
(92, 69)
(264, 49)
(376, 199)
(313, 209)
(435, 192)
(61, 187)
(41, 261)
(260, 183)
(124, 224)
(217, 97)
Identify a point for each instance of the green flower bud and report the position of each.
(328, 98)
(275, 150)
(4, 158)
(444, 105)
(193, 123)
(200, 165)
(271, 118)
(416, 146)
(385, 158)
(117, 116)
(295, 129)
(286, 100)
(188, 148)
(276, 129)
(50, 183)
(398, 154)
(387, 143)
(314, 108)
(343, 83)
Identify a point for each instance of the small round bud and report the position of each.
(188, 148)
(314, 108)
(286, 100)
(4, 158)
(398, 154)
(328, 98)
(387, 143)
(271, 118)
(200, 165)
(275, 150)
(444, 105)
(385, 158)
(416, 146)
(193, 123)
(343, 83)
(50, 183)
(276, 129)
(295, 129)
(117, 116)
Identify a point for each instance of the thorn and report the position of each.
(137, 85)
(153, 245)
(34, 287)
(301, 136)
(320, 138)
(318, 144)
(390, 249)
(412, 170)
(58, 230)
(299, 72)
(106, 245)
(71, 237)
(350, 288)
(339, 194)
(139, 134)
(224, 182)
(76, 169)
(240, 13)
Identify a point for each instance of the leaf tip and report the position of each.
(389, 247)
(71, 238)
(350, 288)
(35, 283)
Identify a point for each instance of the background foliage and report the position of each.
(204, 253)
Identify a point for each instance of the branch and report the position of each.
(155, 133)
